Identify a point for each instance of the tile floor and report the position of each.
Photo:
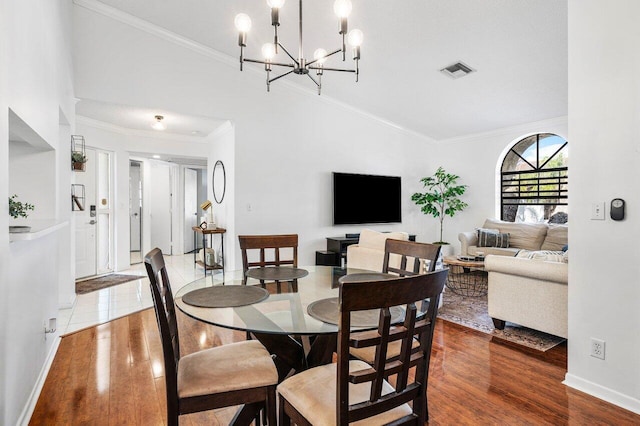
(110, 303)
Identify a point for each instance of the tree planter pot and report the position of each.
(78, 167)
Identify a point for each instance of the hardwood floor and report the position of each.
(113, 374)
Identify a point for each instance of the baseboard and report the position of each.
(601, 392)
(27, 411)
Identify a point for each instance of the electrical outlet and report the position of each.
(597, 348)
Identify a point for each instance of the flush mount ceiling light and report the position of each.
(300, 65)
(157, 123)
(457, 70)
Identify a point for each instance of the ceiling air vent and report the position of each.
(457, 70)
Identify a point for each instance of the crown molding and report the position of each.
(541, 126)
(187, 43)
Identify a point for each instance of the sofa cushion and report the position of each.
(376, 240)
(521, 235)
(475, 250)
(557, 237)
(488, 238)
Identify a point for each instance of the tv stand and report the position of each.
(337, 250)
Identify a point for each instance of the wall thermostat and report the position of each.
(617, 209)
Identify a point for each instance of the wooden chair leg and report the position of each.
(270, 411)
(283, 418)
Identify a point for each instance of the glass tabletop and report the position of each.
(284, 313)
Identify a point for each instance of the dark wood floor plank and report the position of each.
(472, 380)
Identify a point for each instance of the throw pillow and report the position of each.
(489, 238)
(548, 255)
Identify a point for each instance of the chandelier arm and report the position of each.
(255, 61)
(330, 69)
(314, 80)
(289, 54)
(280, 76)
(325, 56)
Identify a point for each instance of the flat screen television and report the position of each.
(360, 199)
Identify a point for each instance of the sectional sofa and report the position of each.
(528, 278)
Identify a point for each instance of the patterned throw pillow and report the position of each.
(548, 255)
(490, 238)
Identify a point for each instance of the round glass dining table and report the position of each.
(283, 313)
(280, 321)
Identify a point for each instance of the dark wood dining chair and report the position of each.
(410, 252)
(223, 376)
(409, 256)
(352, 390)
(269, 247)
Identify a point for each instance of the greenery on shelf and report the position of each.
(78, 157)
(18, 209)
(441, 197)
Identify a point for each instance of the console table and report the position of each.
(210, 232)
(337, 250)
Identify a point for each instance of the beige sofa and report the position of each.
(538, 236)
(369, 252)
(528, 291)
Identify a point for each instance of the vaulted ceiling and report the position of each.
(518, 47)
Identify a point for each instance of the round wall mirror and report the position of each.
(219, 182)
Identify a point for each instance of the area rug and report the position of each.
(93, 284)
(472, 312)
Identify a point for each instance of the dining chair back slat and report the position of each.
(417, 252)
(265, 243)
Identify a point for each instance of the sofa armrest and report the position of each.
(536, 269)
(467, 239)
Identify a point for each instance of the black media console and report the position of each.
(337, 249)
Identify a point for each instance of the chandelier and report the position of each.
(300, 65)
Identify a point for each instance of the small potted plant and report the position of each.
(78, 159)
(19, 209)
(441, 198)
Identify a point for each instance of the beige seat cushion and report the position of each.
(368, 354)
(313, 394)
(225, 368)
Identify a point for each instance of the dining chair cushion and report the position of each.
(313, 394)
(235, 366)
(368, 354)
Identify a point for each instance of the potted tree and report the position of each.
(78, 159)
(18, 209)
(441, 197)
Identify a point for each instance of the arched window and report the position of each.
(535, 180)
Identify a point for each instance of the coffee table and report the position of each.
(466, 277)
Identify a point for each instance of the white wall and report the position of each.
(36, 83)
(604, 123)
(222, 148)
(477, 160)
(287, 142)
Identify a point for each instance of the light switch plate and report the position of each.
(597, 211)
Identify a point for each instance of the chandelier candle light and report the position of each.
(300, 65)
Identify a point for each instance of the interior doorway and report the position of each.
(135, 211)
(190, 208)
